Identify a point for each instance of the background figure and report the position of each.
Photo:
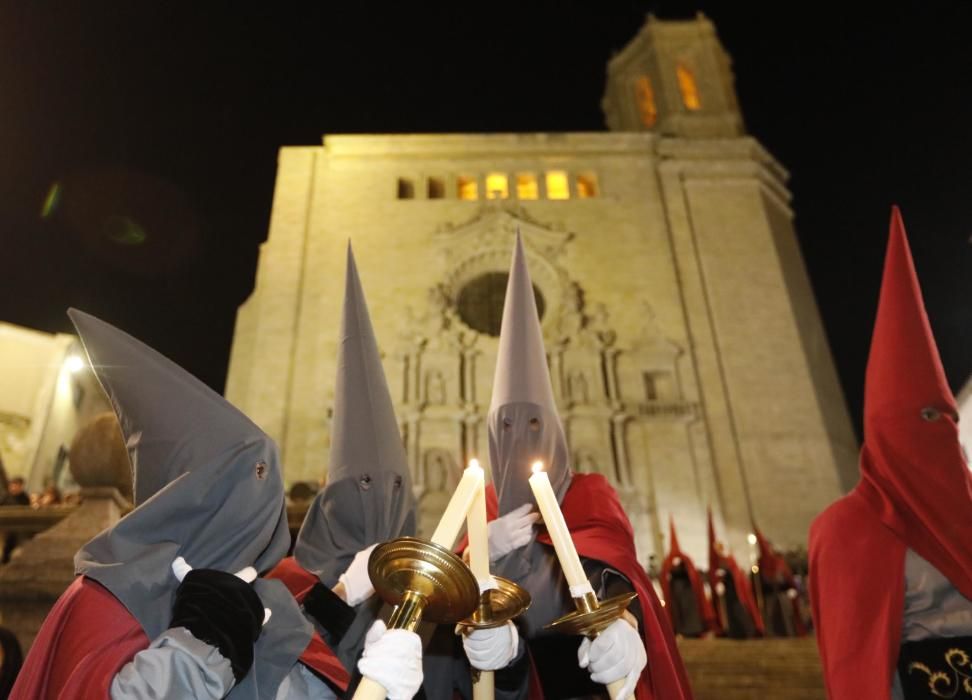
(688, 607)
(735, 605)
(781, 606)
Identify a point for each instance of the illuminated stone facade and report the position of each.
(685, 347)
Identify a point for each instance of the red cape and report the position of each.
(857, 595)
(604, 533)
(705, 607)
(318, 655)
(85, 641)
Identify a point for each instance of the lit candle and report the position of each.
(476, 527)
(455, 513)
(557, 527)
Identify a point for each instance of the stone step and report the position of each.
(758, 669)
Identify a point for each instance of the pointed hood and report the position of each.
(207, 486)
(673, 548)
(368, 497)
(713, 550)
(913, 472)
(523, 423)
(772, 565)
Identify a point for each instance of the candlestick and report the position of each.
(478, 535)
(553, 518)
(455, 513)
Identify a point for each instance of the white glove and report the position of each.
(393, 659)
(511, 531)
(357, 583)
(616, 653)
(492, 649)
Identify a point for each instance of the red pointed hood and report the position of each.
(713, 552)
(771, 562)
(912, 469)
(673, 548)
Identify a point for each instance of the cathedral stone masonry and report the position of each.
(687, 355)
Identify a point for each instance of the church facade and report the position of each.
(687, 355)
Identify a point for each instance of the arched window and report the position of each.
(688, 87)
(645, 99)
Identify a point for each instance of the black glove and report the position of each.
(222, 610)
(331, 613)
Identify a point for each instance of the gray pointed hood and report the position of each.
(368, 497)
(208, 487)
(523, 423)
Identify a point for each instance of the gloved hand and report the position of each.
(616, 653)
(393, 658)
(223, 611)
(492, 649)
(357, 583)
(511, 531)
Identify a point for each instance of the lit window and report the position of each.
(436, 188)
(467, 187)
(557, 185)
(406, 189)
(688, 87)
(497, 186)
(645, 98)
(526, 186)
(586, 185)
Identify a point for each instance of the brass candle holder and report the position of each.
(592, 617)
(423, 581)
(498, 605)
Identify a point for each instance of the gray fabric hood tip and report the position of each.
(208, 487)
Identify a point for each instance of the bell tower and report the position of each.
(675, 79)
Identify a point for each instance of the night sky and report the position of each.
(139, 140)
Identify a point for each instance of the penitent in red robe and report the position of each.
(915, 492)
(695, 580)
(89, 636)
(601, 531)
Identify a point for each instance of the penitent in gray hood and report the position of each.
(208, 487)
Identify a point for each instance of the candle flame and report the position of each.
(473, 462)
(537, 467)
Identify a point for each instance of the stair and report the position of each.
(756, 669)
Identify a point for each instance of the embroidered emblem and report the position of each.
(948, 685)
(261, 470)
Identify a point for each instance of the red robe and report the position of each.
(862, 579)
(604, 533)
(87, 638)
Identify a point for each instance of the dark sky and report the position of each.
(160, 124)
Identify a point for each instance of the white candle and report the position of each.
(455, 513)
(557, 527)
(478, 537)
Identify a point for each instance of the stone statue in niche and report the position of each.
(577, 387)
(437, 468)
(435, 391)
